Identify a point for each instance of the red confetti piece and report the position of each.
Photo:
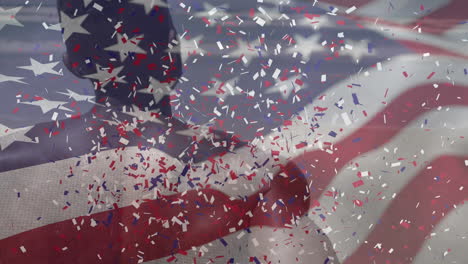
(358, 183)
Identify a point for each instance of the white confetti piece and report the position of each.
(255, 242)
(260, 21)
(97, 7)
(124, 141)
(346, 119)
(54, 116)
(350, 10)
(327, 230)
(379, 66)
(23, 249)
(212, 11)
(276, 74)
(323, 78)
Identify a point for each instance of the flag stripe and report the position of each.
(443, 19)
(57, 194)
(351, 211)
(407, 237)
(441, 246)
(144, 225)
(86, 243)
(321, 175)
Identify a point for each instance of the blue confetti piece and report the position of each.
(186, 168)
(109, 219)
(223, 242)
(175, 244)
(355, 99)
(256, 260)
(191, 184)
(317, 65)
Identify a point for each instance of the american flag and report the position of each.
(146, 131)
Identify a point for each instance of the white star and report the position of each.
(78, 97)
(7, 17)
(226, 90)
(270, 13)
(150, 4)
(315, 22)
(126, 46)
(213, 13)
(8, 135)
(306, 46)
(103, 75)
(356, 49)
(86, 2)
(47, 105)
(246, 50)
(72, 25)
(145, 116)
(127, 126)
(285, 88)
(39, 68)
(56, 27)
(189, 47)
(6, 78)
(199, 131)
(157, 89)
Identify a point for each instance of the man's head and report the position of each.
(128, 48)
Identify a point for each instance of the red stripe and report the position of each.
(208, 223)
(421, 48)
(347, 3)
(437, 22)
(375, 133)
(444, 18)
(407, 239)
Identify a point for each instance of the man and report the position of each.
(146, 185)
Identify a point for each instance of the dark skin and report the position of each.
(112, 95)
(85, 53)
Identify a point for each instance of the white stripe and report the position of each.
(449, 238)
(285, 245)
(452, 42)
(403, 11)
(42, 195)
(443, 138)
(371, 95)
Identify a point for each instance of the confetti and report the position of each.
(209, 132)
